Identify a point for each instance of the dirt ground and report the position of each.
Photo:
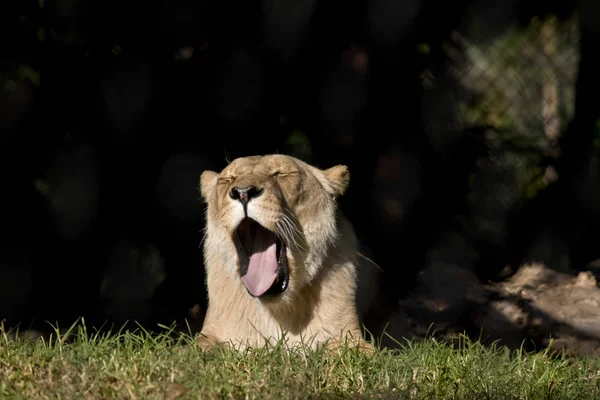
(535, 308)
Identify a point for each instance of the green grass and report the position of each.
(137, 365)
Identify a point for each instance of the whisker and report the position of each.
(369, 260)
(293, 238)
(281, 228)
(293, 225)
(285, 232)
(290, 231)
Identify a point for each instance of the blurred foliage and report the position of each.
(520, 86)
(24, 73)
(522, 81)
(300, 145)
(27, 73)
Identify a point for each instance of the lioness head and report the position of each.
(273, 220)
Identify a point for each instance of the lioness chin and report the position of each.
(280, 257)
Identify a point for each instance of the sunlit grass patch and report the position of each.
(137, 364)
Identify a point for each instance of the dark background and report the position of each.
(471, 130)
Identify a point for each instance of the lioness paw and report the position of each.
(362, 345)
(206, 342)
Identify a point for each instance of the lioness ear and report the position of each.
(208, 182)
(339, 176)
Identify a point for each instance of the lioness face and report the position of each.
(273, 219)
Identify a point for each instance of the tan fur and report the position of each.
(319, 303)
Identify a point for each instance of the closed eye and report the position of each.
(279, 174)
(225, 180)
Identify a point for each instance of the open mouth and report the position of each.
(263, 262)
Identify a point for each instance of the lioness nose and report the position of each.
(245, 194)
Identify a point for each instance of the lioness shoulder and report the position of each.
(280, 257)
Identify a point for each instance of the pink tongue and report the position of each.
(262, 268)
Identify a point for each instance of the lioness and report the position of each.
(280, 257)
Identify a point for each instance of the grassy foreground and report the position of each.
(141, 366)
